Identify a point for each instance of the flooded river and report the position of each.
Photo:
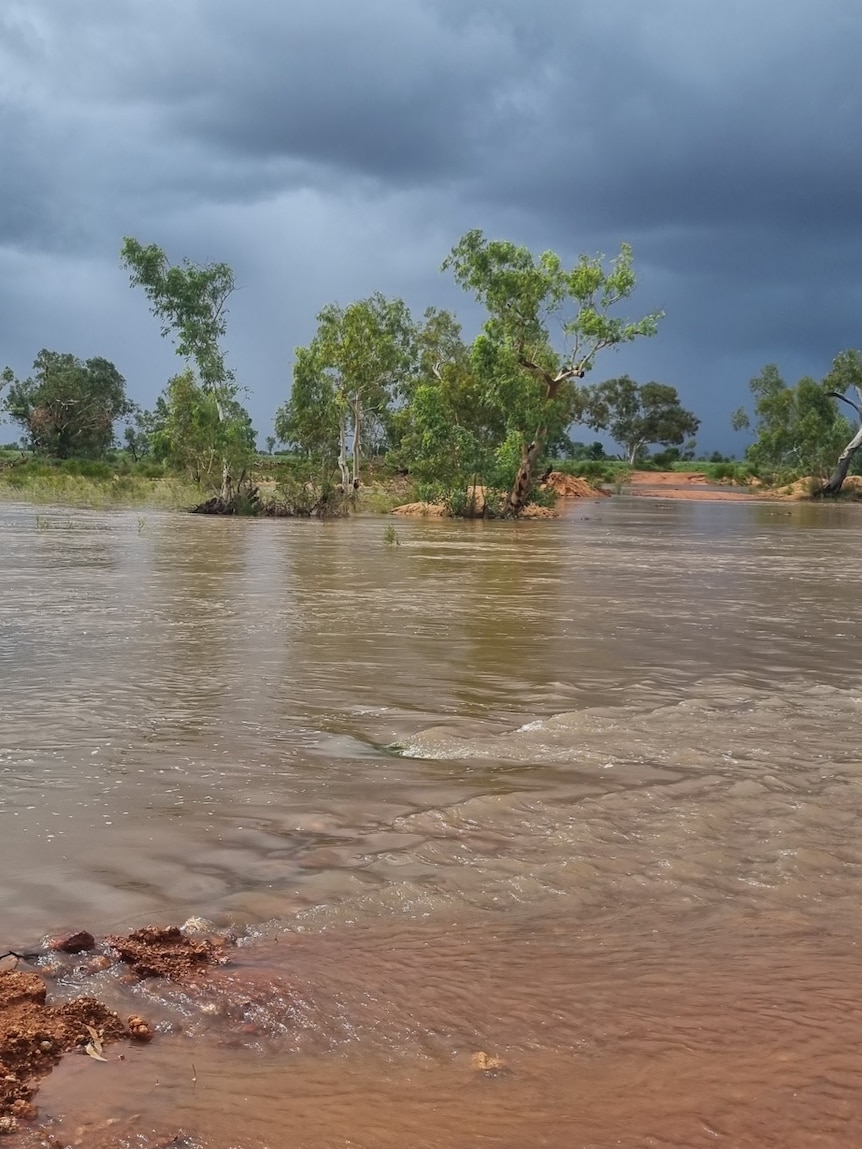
(581, 794)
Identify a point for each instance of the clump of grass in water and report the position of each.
(46, 524)
(390, 536)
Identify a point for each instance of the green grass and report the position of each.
(81, 483)
(595, 470)
(378, 501)
(733, 472)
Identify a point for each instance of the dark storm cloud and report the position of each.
(332, 149)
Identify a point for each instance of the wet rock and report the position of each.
(75, 943)
(139, 1029)
(166, 952)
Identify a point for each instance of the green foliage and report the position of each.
(191, 303)
(636, 415)
(344, 383)
(308, 421)
(523, 295)
(799, 430)
(95, 483)
(527, 377)
(68, 407)
(565, 447)
(595, 470)
(740, 473)
(191, 432)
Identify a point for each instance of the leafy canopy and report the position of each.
(68, 407)
(344, 382)
(546, 325)
(635, 415)
(525, 295)
(189, 432)
(798, 428)
(191, 302)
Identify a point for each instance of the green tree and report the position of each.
(450, 425)
(190, 432)
(190, 300)
(525, 297)
(845, 375)
(309, 421)
(637, 415)
(798, 428)
(346, 379)
(68, 407)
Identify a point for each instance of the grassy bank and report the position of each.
(120, 482)
(615, 471)
(84, 484)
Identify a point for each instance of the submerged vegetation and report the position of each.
(385, 408)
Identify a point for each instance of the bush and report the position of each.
(594, 470)
(727, 472)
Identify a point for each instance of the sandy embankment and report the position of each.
(684, 485)
(696, 485)
(564, 486)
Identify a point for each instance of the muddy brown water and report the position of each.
(618, 847)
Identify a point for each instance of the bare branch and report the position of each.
(857, 407)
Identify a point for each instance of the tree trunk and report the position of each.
(342, 454)
(226, 482)
(836, 479)
(525, 478)
(357, 416)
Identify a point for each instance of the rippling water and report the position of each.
(583, 794)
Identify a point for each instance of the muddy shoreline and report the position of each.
(38, 1027)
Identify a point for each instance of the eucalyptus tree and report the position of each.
(636, 415)
(846, 374)
(449, 426)
(345, 381)
(525, 297)
(799, 427)
(68, 407)
(191, 300)
(309, 420)
(190, 431)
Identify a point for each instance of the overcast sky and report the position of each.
(331, 149)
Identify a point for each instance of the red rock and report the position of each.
(73, 943)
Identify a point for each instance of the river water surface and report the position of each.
(581, 794)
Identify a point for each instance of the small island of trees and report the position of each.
(377, 391)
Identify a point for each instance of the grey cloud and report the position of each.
(328, 150)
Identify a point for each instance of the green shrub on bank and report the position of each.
(595, 471)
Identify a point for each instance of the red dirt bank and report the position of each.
(34, 1034)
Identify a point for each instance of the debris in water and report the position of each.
(482, 1062)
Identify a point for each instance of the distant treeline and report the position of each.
(377, 384)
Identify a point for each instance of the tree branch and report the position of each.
(857, 407)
